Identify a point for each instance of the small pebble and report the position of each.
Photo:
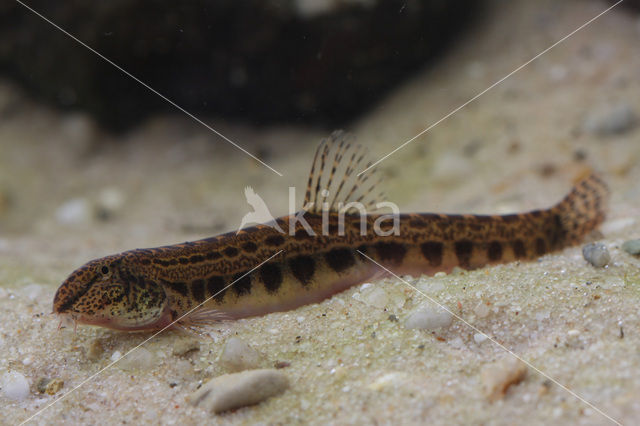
(596, 254)
(110, 201)
(94, 350)
(185, 345)
(49, 386)
(632, 246)
(481, 309)
(14, 385)
(237, 355)
(499, 376)
(374, 296)
(611, 120)
(479, 337)
(428, 318)
(236, 390)
(74, 212)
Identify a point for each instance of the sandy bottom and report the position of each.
(69, 193)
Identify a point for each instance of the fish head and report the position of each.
(104, 292)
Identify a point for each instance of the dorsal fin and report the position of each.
(333, 178)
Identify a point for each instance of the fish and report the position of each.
(334, 242)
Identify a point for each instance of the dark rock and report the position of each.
(258, 61)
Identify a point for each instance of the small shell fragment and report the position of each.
(238, 355)
(596, 254)
(49, 386)
(237, 390)
(499, 376)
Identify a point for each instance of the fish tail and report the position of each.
(584, 208)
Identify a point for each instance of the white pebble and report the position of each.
(428, 318)
(481, 309)
(479, 337)
(433, 285)
(110, 201)
(14, 385)
(611, 120)
(73, 212)
(116, 356)
(237, 390)
(238, 355)
(374, 296)
(596, 254)
(457, 343)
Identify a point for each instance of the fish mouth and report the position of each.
(69, 319)
(75, 318)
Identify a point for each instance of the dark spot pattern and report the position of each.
(71, 300)
(541, 246)
(213, 255)
(241, 284)
(271, 276)
(340, 259)
(216, 287)
(391, 252)
(518, 249)
(302, 234)
(432, 251)
(494, 251)
(416, 222)
(303, 268)
(250, 247)
(196, 258)
(230, 252)
(274, 240)
(197, 290)
(463, 250)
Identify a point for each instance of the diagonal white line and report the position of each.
(150, 88)
(491, 87)
(476, 329)
(111, 364)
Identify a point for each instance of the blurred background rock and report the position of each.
(262, 62)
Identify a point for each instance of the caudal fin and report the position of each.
(584, 208)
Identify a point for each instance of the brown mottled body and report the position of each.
(160, 284)
(151, 288)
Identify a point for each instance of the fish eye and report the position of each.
(105, 271)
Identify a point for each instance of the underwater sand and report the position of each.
(69, 193)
